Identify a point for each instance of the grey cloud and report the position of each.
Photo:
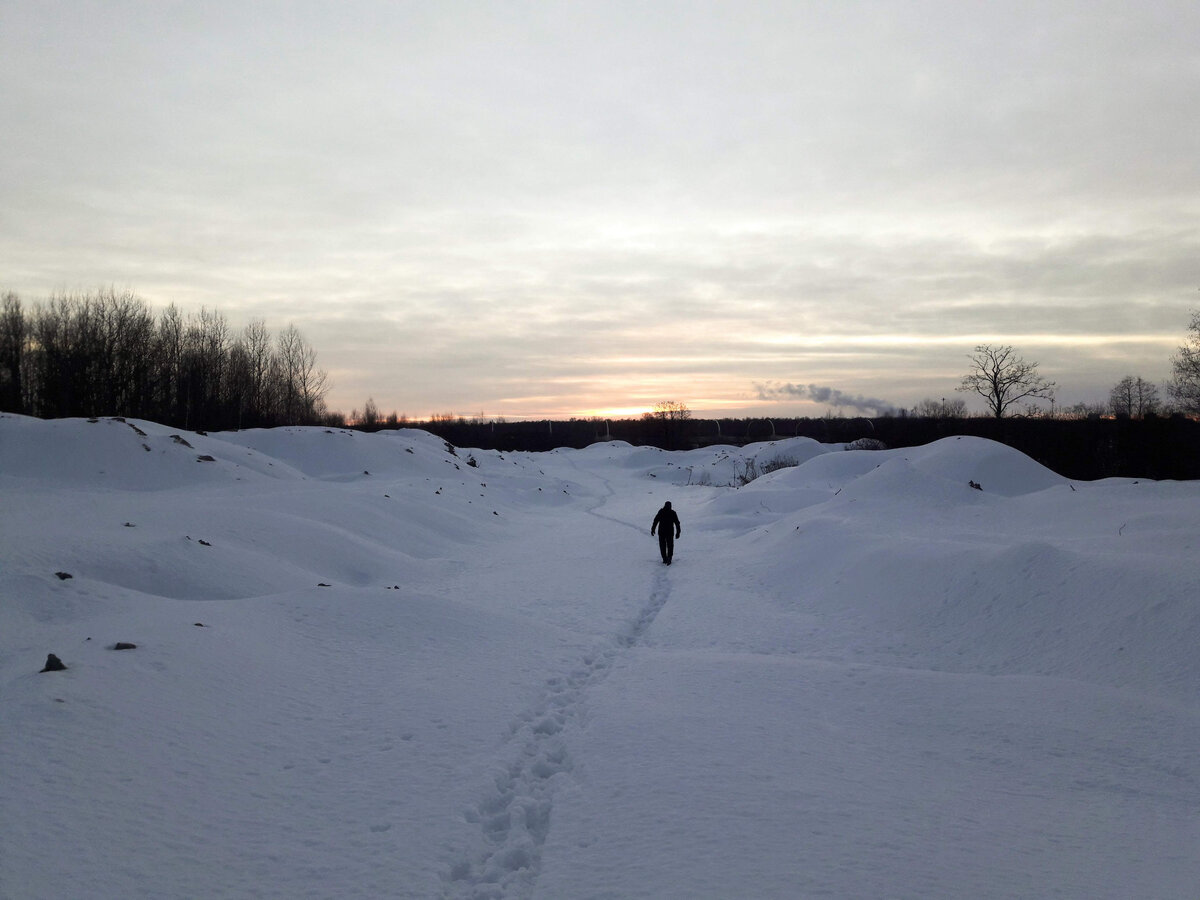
(687, 196)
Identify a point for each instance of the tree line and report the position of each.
(1085, 448)
(107, 353)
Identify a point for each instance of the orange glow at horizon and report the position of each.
(623, 412)
(701, 408)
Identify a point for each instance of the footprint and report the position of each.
(514, 818)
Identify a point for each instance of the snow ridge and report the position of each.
(514, 813)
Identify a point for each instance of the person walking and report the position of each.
(666, 523)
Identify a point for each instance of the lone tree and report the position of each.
(1185, 370)
(1134, 397)
(1002, 378)
(671, 414)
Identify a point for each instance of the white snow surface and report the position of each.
(368, 668)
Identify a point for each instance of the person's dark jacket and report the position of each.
(666, 518)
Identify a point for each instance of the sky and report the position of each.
(544, 210)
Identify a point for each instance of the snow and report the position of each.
(378, 666)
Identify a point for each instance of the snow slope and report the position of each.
(378, 666)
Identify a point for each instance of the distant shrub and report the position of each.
(779, 462)
(866, 444)
(752, 468)
(746, 474)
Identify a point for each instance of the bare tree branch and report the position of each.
(1002, 378)
(1185, 369)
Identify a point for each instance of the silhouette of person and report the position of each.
(666, 523)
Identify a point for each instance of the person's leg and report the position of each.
(664, 540)
(670, 548)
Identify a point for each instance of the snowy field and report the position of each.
(372, 666)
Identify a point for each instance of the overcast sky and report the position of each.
(553, 209)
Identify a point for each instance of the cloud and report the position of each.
(464, 205)
(776, 391)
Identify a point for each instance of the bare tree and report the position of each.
(1133, 397)
(932, 408)
(205, 367)
(13, 329)
(303, 383)
(56, 359)
(255, 344)
(370, 419)
(1002, 379)
(1185, 369)
(127, 328)
(1084, 410)
(670, 414)
(168, 365)
(671, 410)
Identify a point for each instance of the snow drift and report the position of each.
(377, 665)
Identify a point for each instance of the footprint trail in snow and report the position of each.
(514, 814)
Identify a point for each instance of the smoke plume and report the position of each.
(777, 391)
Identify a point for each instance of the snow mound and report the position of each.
(941, 474)
(997, 468)
(120, 454)
(372, 665)
(344, 454)
(726, 466)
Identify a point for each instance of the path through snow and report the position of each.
(515, 813)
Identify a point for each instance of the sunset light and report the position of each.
(543, 210)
